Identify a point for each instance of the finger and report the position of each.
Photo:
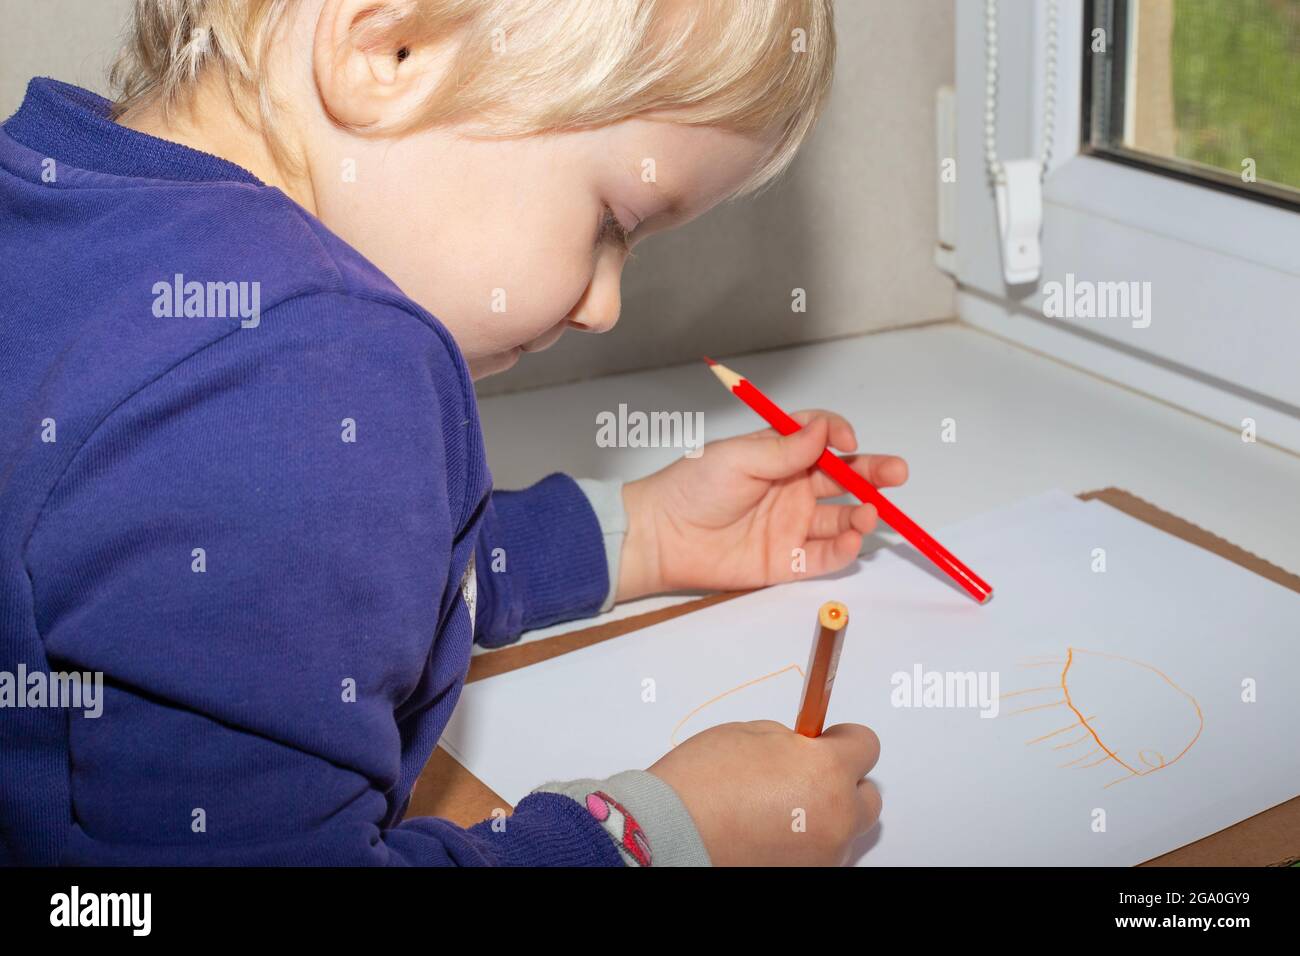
(871, 804)
(883, 471)
(771, 456)
(825, 555)
(842, 436)
(856, 747)
(767, 726)
(828, 521)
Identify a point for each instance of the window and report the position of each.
(1125, 198)
(1205, 90)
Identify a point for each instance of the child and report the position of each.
(243, 477)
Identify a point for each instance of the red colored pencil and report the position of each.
(840, 472)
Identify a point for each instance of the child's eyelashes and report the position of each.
(612, 229)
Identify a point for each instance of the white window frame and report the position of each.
(1224, 338)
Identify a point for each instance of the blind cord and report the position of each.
(992, 163)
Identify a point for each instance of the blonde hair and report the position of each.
(521, 67)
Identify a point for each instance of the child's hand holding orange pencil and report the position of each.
(733, 517)
(761, 795)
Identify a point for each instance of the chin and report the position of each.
(494, 364)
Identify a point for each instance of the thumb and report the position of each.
(775, 456)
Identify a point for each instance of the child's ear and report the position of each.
(365, 74)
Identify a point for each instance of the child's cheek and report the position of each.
(558, 282)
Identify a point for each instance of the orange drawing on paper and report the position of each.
(1119, 696)
(789, 668)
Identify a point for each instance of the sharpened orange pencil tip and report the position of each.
(708, 360)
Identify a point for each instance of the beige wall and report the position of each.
(72, 40)
(852, 223)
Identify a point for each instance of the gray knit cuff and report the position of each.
(656, 808)
(606, 499)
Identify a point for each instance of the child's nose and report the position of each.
(599, 307)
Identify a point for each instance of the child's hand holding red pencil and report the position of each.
(733, 517)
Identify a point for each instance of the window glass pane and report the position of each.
(1210, 87)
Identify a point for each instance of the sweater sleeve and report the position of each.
(540, 559)
(257, 551)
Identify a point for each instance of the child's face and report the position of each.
(511, 242)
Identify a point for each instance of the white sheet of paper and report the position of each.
(1119, 694)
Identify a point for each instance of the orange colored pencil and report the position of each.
(840, 472)
(823, 661)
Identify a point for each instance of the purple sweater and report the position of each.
(241, 475)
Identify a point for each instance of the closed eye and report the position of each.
(611, 230)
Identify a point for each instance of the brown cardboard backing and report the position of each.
(446, 789)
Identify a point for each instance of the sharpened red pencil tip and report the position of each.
(709, 360)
